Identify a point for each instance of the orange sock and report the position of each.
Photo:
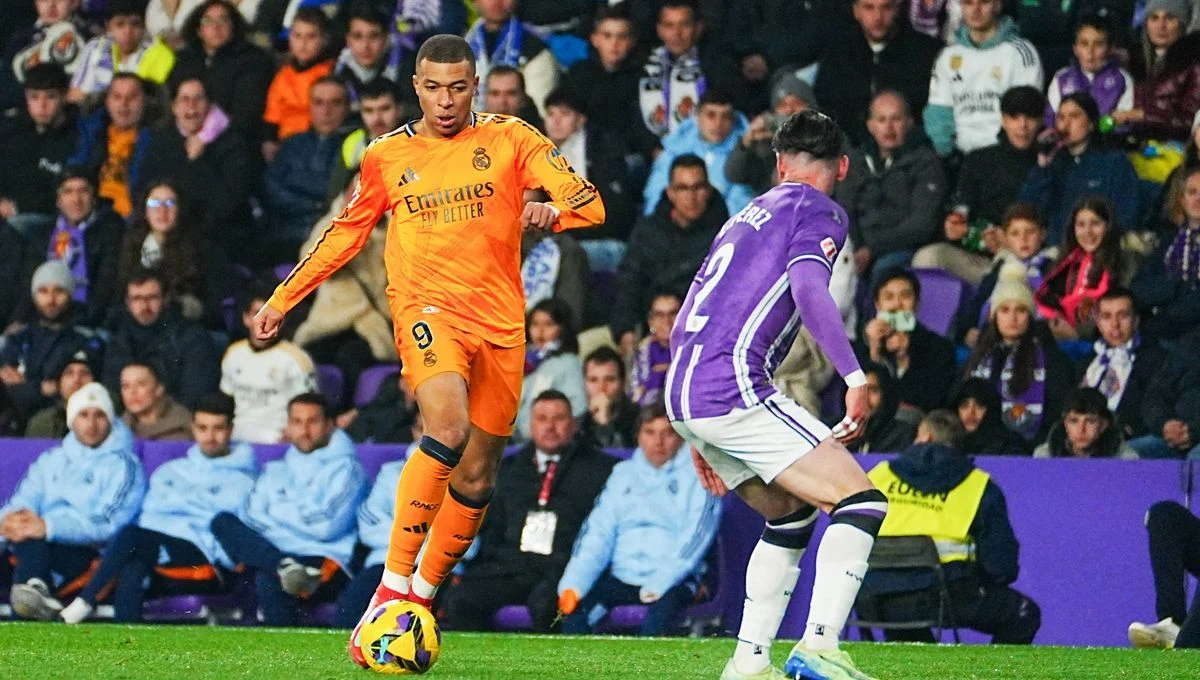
(419, 495)
(453, 530)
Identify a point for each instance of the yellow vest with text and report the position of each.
(945, 517)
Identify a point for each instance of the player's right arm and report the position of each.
(339, 243)
(810, 267)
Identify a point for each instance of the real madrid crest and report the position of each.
(481, 161)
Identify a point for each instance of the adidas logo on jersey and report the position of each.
(409, 175)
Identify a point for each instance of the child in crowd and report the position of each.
(287, 110)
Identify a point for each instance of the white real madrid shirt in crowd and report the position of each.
(261, 384)
(575, 149)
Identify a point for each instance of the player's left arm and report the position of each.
(574, 203)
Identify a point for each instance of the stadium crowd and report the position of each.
(163, 163)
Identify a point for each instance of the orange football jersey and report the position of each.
(454, 241)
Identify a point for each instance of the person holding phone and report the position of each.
(921, 361)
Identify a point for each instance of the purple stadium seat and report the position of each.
(513, 617)
(283, 270)
(941, 294)
(18, 455)
(154, 454)
(370, 380)
(373, 456)
(266, 453)
(332, 383)
(318, 615)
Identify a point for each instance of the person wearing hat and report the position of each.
(36, 148)
(1017, 355)
(1166, 73)
(881, 52)
(86, 237)
(71, 501)
(51, 422)
(752, 161)
(31, 356)
(1070, 165)
(988, 184)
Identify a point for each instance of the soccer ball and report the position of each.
(400, 638)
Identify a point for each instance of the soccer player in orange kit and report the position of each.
(454, 182)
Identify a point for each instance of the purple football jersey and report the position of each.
(739, 319)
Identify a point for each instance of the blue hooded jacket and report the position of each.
(306, 503)
(185, 494)
(376, 514)
(686, 139)
(651, 527)
(85, 495)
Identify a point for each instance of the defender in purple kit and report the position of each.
(767, 272)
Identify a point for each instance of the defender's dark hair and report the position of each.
(313, 399)
(445, 48)
(606, 355)
(651, 412)
(217, 404)
(810, 132)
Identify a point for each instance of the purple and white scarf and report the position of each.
(67, 245)
(1183, 257)
(1109, 371)
(1022, 413)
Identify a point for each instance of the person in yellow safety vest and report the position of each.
(935, 490)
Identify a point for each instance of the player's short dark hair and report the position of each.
(680, 4)
(445, 48)
(380, 87)
(606, 355)
(1100, 23)
(333, 80)
(150, 365)
(561, 96)
(945, 427)
(651, 412)
(124, 8)
(506, 70)
(688, 160)
(1084, 101)
(617, 12)
(314, 17)
(177, 85)
(1118, 293)
(217, 404)
(46, 76)
(897, 273)
(1023, 100)
(312, 399)
(143, 84)
(1087, 401)
(1021, 210)
(370, 13)
(716, 98)
(551, 395)
(810, 132)
(142, 275)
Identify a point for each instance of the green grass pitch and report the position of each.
(29, 650)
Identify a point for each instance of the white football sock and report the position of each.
(422, 588)
(771, 576)
(77, 611)
(395, 581)
(841, 564)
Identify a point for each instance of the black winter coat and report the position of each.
(851, 73)
(990, 179)
(182, 350)
(102, 250)
(662, 256)
(610, 100)
(1174, 393)
(32, 161)
(238, 77)
(1147, 360)
(580, 477)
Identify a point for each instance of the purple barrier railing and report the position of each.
(1083, 546)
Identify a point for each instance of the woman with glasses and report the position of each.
(161, 239)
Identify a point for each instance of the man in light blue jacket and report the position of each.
(646, 539)
(171, 549)
(297, 529)
(73, 499)
(712, 135)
